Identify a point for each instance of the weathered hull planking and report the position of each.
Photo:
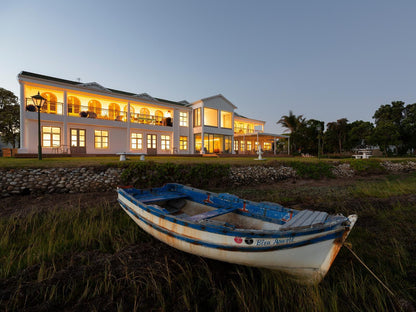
(226, 228)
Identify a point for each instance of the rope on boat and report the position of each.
(372, 273)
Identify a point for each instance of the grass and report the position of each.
(98, 259)
(114, 161)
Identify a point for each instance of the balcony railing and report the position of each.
(243, 130)
(99, 113)
(152, 120)
(50, 107)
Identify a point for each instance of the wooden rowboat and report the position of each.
(225, 227)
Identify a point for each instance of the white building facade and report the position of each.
(89, 119)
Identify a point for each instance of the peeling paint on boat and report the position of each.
(307, 253)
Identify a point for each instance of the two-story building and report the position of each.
(87, 118)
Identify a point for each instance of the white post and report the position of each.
(65, 115)
(128, 127)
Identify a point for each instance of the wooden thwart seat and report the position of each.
(304, 219)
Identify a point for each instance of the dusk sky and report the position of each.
(325, 60)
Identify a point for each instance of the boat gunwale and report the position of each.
(224, 230)
(331, 235)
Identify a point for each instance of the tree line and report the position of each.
(393, 132)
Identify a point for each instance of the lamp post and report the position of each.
(319, 128)
(38, 100)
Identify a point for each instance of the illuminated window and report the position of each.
(227, 144)
(74, 105)
(198, 143)
(144, 115)
(50, 104)
(210, 117)
(226, 120)
(101, 139)
(78, 137)
(136, 141)
(151, 141)
(248, 146)
(94, 107)
(114, 111)
(267, 146)
(51, 136)
(165, 142)
(183, 143)
(197, 117)
(242, 146)
(159, 117)
(236, 145)
(183, 119)
(144, 111)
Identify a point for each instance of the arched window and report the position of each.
(144, 115)
(94, 107)
(159, 117)
(144, 111)
(50, 104)
(74, 105)
(114, 111)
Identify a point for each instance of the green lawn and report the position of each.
(99, 161)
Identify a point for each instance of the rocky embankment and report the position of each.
(99, 179)
(58, 180)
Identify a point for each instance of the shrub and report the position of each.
(367, 166)
(312, 170)
(151, 174)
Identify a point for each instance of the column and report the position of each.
(191, 137)
(128, 127)
(22, 145)
(176, 130)
(202, 130)
(65, 115)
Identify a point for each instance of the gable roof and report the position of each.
(97, 86)
(220, 96)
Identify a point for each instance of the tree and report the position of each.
(399, 119)
(336, 135)
(9, 117)
(292, 123)
(409, 127)
(358, 132)
(306, 135)
(386, 134)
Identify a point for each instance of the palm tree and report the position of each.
(292, 123)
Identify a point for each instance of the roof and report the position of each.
(97, 86)
(241, 116)
(221, 96)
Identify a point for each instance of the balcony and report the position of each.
(243, 130)
(152, 120)
(99, 113)
(49, 107)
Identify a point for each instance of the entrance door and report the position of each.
(151, 144)
(78, 141)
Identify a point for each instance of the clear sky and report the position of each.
(323, 59)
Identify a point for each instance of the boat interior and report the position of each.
(189, 210)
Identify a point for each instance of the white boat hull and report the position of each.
(307, 262)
